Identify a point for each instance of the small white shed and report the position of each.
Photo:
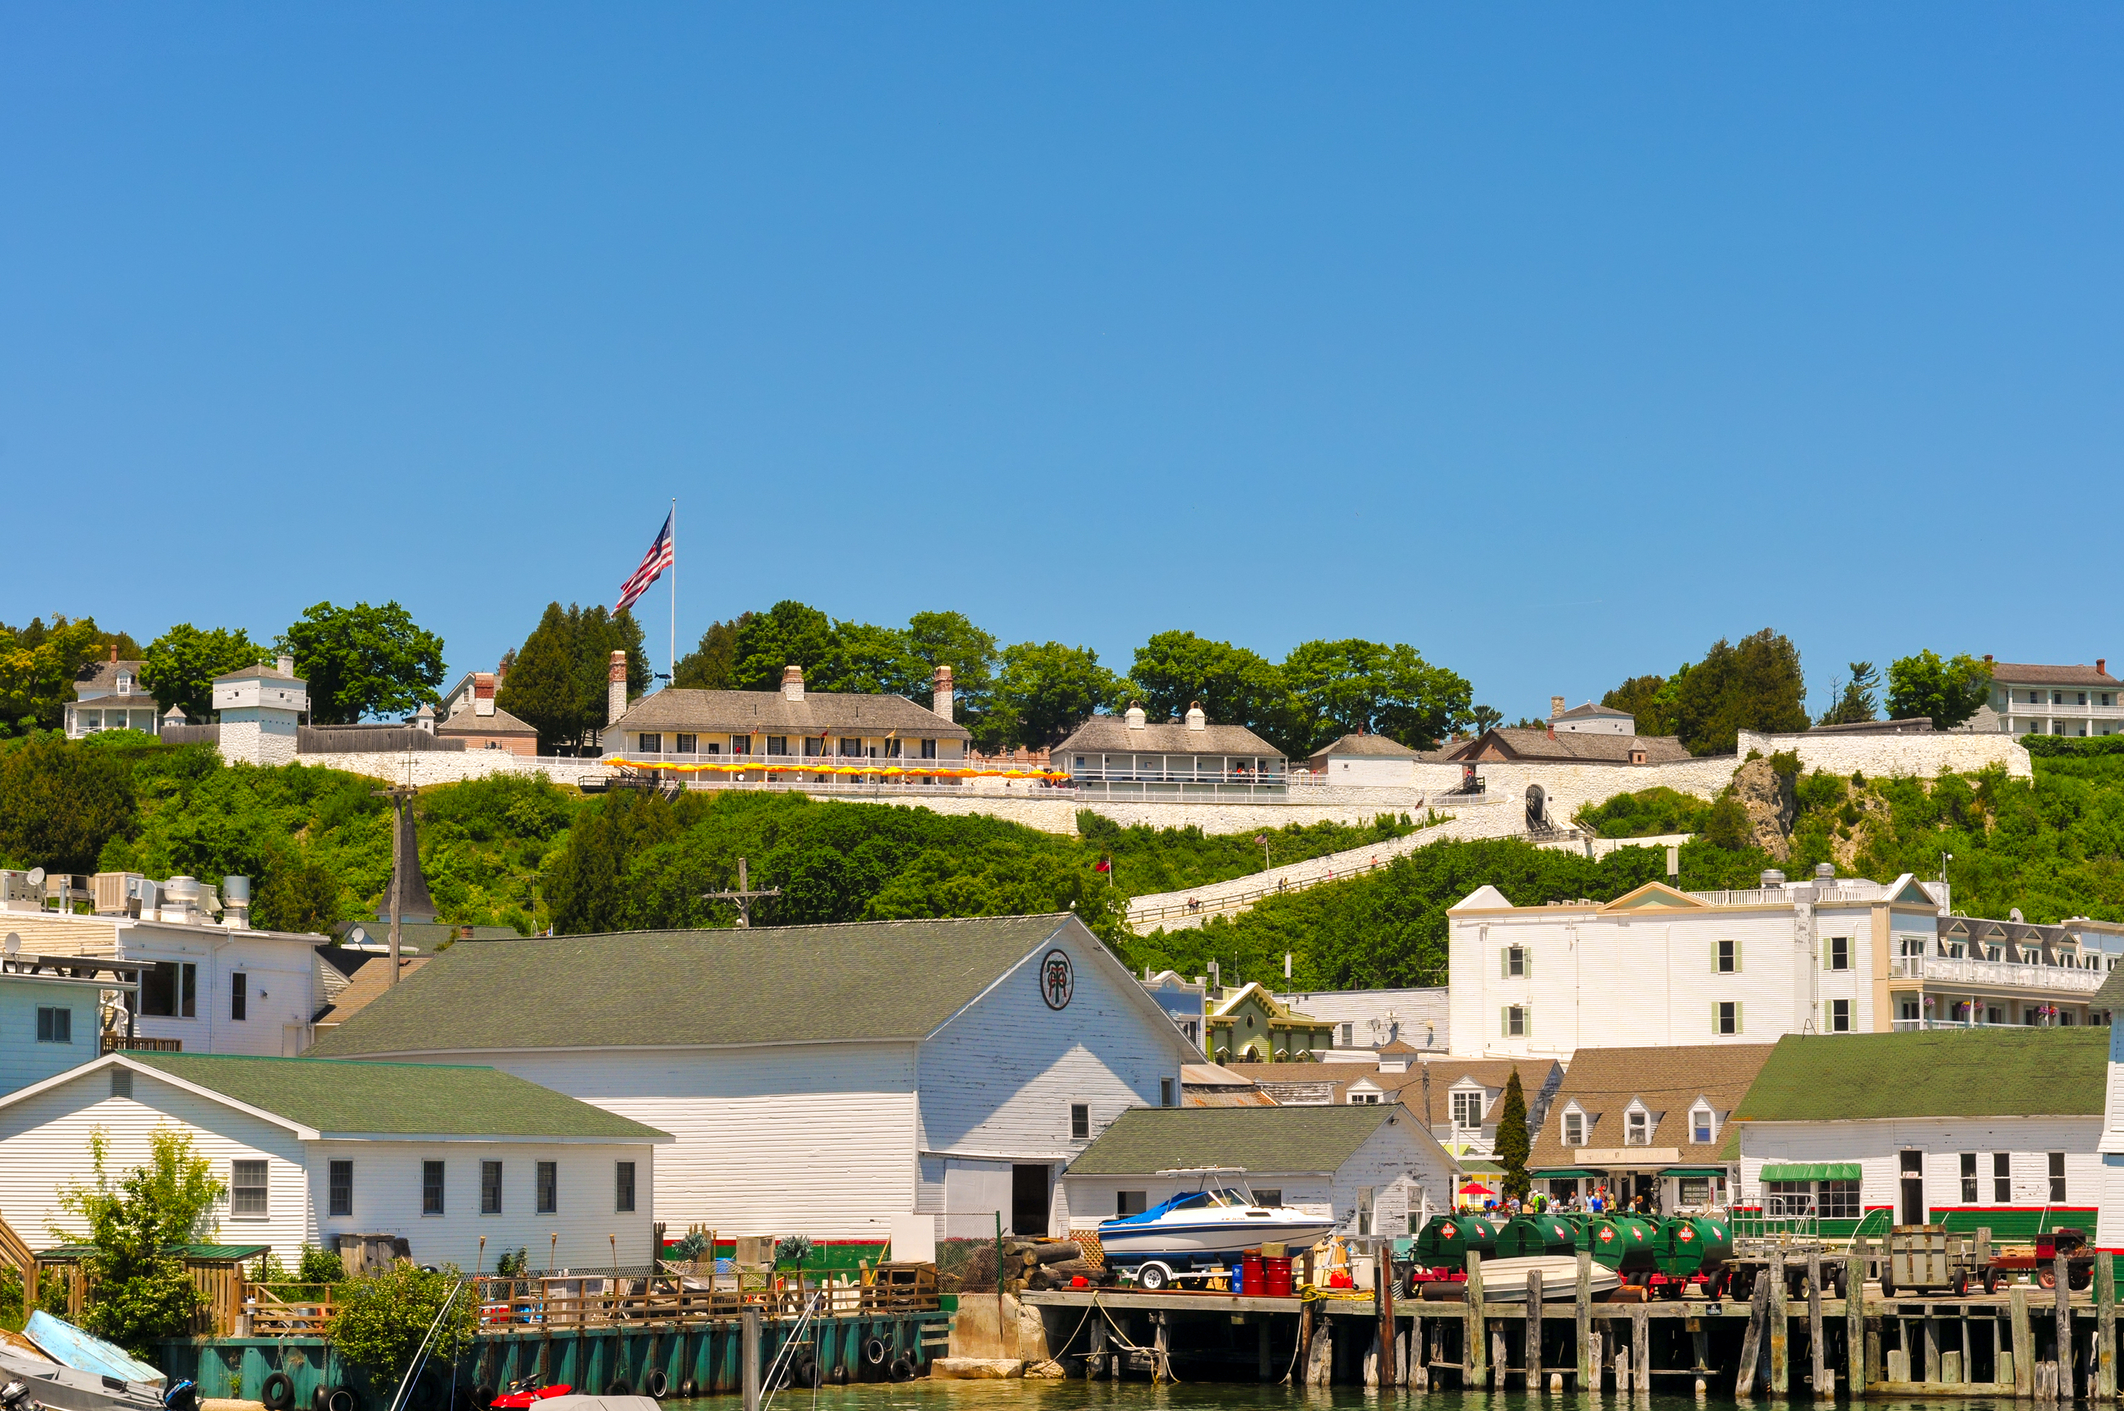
(311, 1149)
(1365, 760)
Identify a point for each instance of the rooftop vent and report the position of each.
(1196, 720)
(1825, 872)
(1772, 878)
(1134, 717)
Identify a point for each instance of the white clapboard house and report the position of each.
(1375, 1169)
(820, 1080)
(442, 1155)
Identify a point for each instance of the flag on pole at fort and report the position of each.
(659, 558)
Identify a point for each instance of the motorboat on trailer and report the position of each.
(1199, 1233)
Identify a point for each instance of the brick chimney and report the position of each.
(941, 693)
(616, 688)
(792, 683)
(483, 693)
(1987, 657)
(114, 654)
(2102, 666)
(1556, 706)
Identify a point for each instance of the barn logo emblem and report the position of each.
(1058, 979)
(1685, 1234)
(1607, 1234)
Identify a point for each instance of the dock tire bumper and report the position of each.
(655, 1385)
(618, 1387)
(278, 1392)
(876, 1353)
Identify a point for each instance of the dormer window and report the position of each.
(1637, 1126)
(1574, 1128)
(1703, 1124)
(125, 683)
(1467, 1110)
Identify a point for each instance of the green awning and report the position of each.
(1693, 1171)
(1811, 1171)
(1565, 1173)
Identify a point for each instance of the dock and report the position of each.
(2025, 1343)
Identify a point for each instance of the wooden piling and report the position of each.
(2105, 1359)
(1264, 1365)
(1588, 1361)
(749, 1356)
(1303, 1360)
(1752, 1340)
(1817, 1346)
(1383, 1295)
(1162, 1344)
(1700, 1354)
(1641, 1343)
(2023, 1341)
(1499, 1360)
(1476, 1335)
(1530, 1355)
(1856, 1370)
(2065, 1388)
(1780, 1330)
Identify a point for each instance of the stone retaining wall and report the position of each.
(1887, 756)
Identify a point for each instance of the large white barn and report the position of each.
(820, 1080)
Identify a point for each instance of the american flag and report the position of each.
(654, 563)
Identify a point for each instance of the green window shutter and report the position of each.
(1504, 1021)
(1526, 1021)
(1737, 1025)
(1736, 957)
(1526, 962)
(1714, 961)
(1715, 1029)
(1504, 963)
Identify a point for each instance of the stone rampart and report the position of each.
(1924, 756)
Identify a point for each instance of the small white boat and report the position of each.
(1505, 1280)
(1205, 1227)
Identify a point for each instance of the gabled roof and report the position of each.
(854, 982)
(1592, 711)
(264, 671)
(471, 722)
(1111, 734)
(2009, 673)
(772, 713)
(1519, 742)
(103, 676)
(1655, 894)
(319, 1098)
(1272, 1140)
(1279, 1080)
(367, 983)
(1605, 1081)
(1368, 746)
(1276, 1008)
(2005, 1072)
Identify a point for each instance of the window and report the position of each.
(1787, 1200)
(814, 746)
(1165, 1090)
(929, 749)
(1348, 1031)
(247, 1188)
(1130, 1203)
(1515, 1021)
(169, 990)
(778, 744)
(1574, 1129)
(1080, 1122)
(1839, 953)
(2001, 1178)
(431, 1188)
(2057, 1177)
(54, 1026)
(1361, 1099)
(1703, 1125)
(1969, 1178)
(1839, 1016)
(1726, 1017)
(851, 749)
(741, 744)
(1268, 1195)
(652, 744)
(490, 1188)
(340, 1188)
(548, 1187)
(1366, 1198)
(623, 1187)
(1637, 1128)
(1467, 1111)
(1517, 963)
(121, 1082)
(239, 995)
(1725, 957)
(1839, 1200)
(686, 744)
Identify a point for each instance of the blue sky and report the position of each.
(1555, 341)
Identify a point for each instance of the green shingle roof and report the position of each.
(1931, 1073)
(779, 984)
(396, 1099)
(1279, 1140)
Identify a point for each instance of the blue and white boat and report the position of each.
(1200, 1232)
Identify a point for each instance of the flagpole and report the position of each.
(672, 660)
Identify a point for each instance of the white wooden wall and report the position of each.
(1877, 1146)
(23, 1060)
(281, 988)
(44, 1143)
(1636, 981)
(801, 1139)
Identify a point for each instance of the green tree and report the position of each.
(1044, 691)
(788, 634)
(297, 894)
(1482, 718)
(1640, 695)
(557, 682)
(1859, 699)
(1947, 691)
(1354, 685)
(1513, 1145)
(951, 639)
(1235, 686)
(38, 668)
(1752, 684)
(712, 665)
(379, 1322)
(867, 660)
(364, 660)
(138, 1293)
(60, 802)
(182, 663)
(1726, 824)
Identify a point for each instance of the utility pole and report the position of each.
(400, 796)
(744, 896)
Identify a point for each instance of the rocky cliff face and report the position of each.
(1771, 806)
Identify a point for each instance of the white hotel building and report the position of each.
(1660, 967)
(2075, 701)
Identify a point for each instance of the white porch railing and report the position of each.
(1994, 974)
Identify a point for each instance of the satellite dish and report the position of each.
(12, 945)
(36, 877)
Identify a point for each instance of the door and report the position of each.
(1028, 1200)
(1913, 1202)
(1537, 808)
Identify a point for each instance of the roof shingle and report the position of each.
(1603, 1081)
(772, 713)
(2018, 1072)
(1110, 734)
